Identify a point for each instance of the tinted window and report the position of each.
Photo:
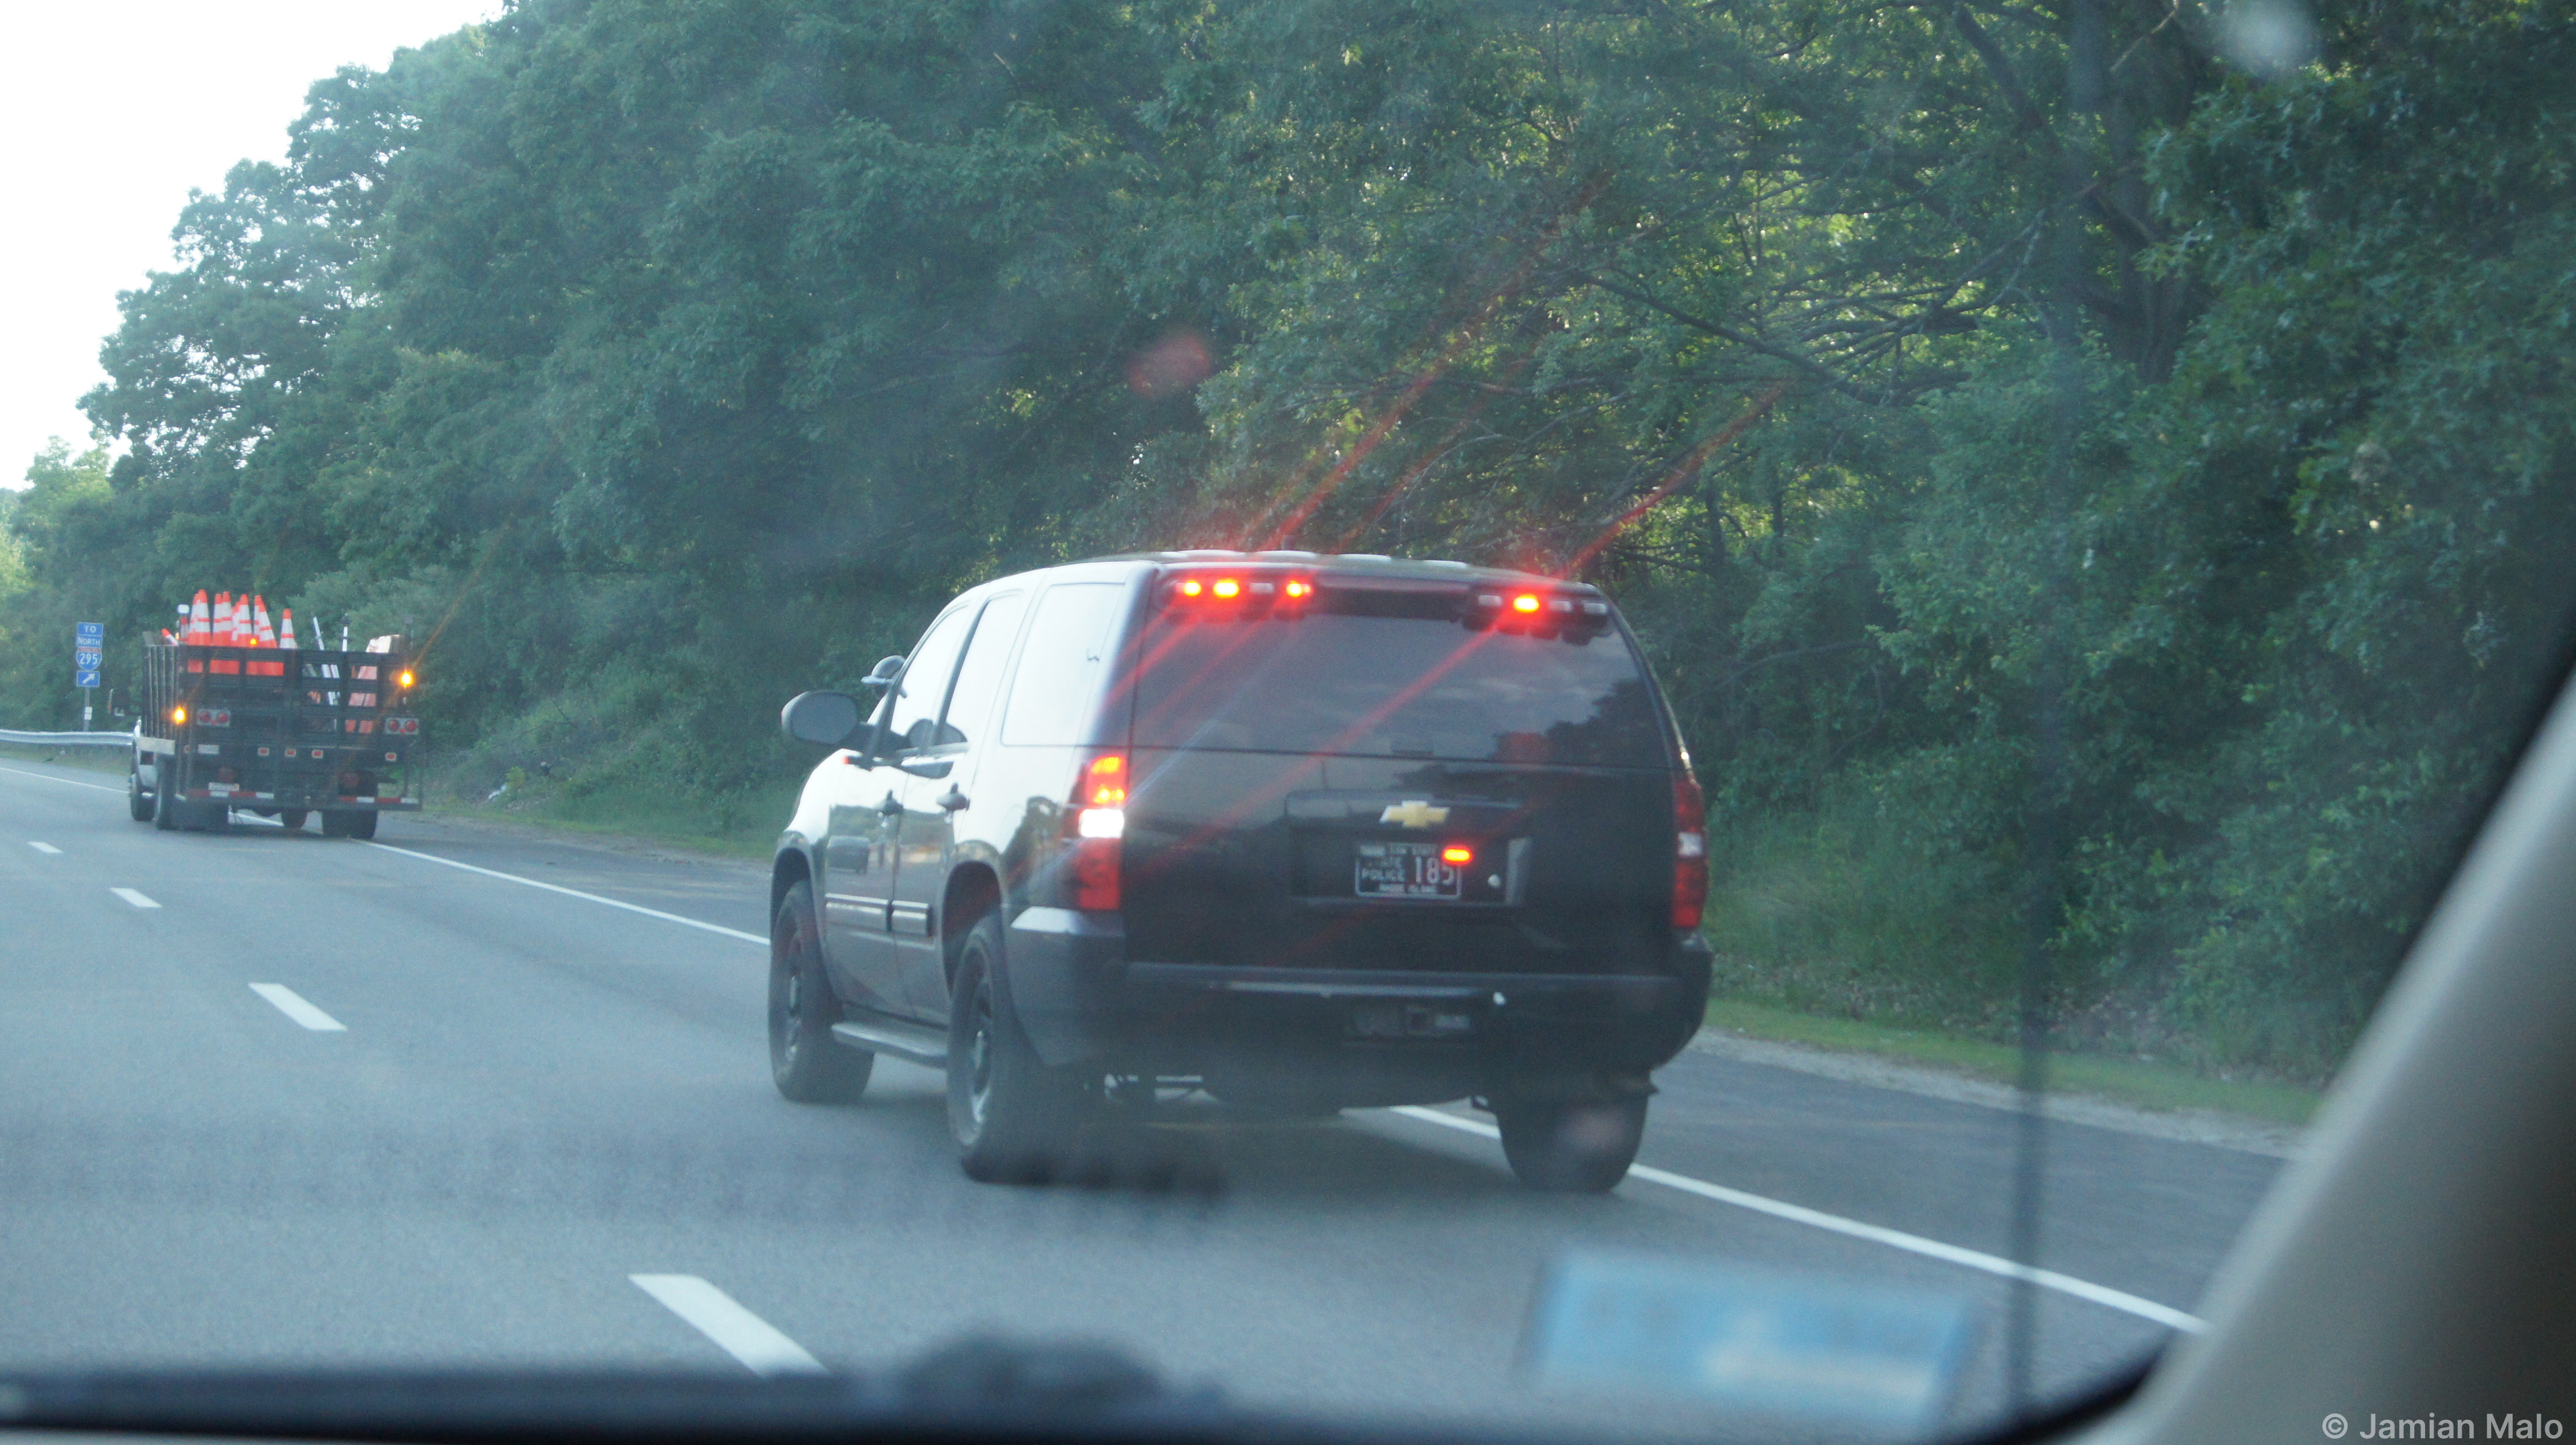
(979, 678)
(925, 682)
(1061, 668)
(1394, 686)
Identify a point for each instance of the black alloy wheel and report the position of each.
(805, 1061)
(1015, 1120)
(1572, 1146)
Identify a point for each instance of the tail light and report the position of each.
(1690, 851)
(1099, 832)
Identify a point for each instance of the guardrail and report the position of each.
(67, 740)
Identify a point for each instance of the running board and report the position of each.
(880, 1035)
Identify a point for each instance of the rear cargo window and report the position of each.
(1334, 681)
(1062, 664)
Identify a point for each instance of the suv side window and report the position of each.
(913, 712)
(979, 678)
(1062, 667)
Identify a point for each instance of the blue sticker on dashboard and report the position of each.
(1764, 1340)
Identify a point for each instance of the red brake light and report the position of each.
(1105, 782)
(1190, 587)
(1297, 588)
(1525, 602)
(1458, 855)
(1099, 830)
(1690, 851)
(1227, 587)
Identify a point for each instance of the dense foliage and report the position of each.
(2097, 466)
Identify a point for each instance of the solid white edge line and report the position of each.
(737, 1331)
(2148, 1309)
(577, 893)
(75, 782)
(134, 897)
(292, 1004)
(47, 849)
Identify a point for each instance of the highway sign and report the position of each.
(85, 679)
(85, 657)
(91, 634)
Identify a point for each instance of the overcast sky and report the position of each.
(113, 109)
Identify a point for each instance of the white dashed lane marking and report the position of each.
(292, 1004)
(47, 848)
(737, 1331)
(134, 897)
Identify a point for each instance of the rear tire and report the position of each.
(805, 1061)
(1580, 1147)
(139, 805)
(1015, 1120)
(165, 808)
(291, 819)
(337, 824)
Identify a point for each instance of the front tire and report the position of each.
(1015, 1120)
(805, 1061)
(1572, 1147)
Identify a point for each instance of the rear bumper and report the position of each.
(1381, 1033)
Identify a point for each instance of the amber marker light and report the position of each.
(403, 678)
(1461, 856)
(178, 715)
(1525, 602)
(1228, 587)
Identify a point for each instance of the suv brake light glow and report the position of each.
(1099, 823)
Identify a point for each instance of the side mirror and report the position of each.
(828, 718)
(889, 669)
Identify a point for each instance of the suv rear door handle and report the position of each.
(892, 804)
(952, 800)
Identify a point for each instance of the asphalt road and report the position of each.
(271, 1100)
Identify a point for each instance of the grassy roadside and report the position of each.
(605, 819)
(93, 760)
(2127, 1081)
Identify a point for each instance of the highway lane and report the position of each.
(536, 1096)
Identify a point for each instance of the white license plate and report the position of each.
(1404, 870)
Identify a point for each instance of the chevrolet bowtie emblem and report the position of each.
(1413, 813)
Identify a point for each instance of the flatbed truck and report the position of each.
(282, 732)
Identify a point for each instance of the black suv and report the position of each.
(1303, 832)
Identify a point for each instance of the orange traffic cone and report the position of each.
(201, 621)
(226, 635)
(267, 637)
(286, 628)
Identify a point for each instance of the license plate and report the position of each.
(1404, 870)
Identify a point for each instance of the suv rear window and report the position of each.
(1347, 677)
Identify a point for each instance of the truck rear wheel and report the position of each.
(1015, 1120)
(291, 819)
(139, 805)
(336, 824)
(1572, 1147)
(165, 808)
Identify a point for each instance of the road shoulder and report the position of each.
(2190, 1126)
